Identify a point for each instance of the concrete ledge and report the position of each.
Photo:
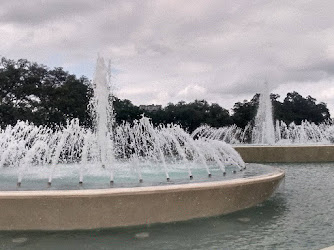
(328, 248)
(89, 209)
(285, 154)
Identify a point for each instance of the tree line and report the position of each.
(33, 92)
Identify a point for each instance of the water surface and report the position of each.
(299, 216)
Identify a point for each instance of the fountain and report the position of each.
(263, 131)
(72, 177)
(285, 134)
(265, 142)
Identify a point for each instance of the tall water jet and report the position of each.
(101, 107)
(264, 131)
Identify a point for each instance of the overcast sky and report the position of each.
(170, 50)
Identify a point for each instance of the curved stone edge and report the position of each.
(107, 208)
(328, 248)
(285, 153)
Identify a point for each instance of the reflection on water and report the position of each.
(300, 216)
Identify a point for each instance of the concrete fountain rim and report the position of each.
(96, 208)
(276, 174)
(286, 153)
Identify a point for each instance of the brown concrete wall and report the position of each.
(88, 209)
(282, 154)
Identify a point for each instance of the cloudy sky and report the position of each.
(170, 50)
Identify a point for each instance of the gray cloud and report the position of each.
(223, 50)
(39, 12)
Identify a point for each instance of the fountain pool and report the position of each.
(66, 176)
(299, 215)
(139, 205)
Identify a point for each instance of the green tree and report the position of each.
(297, 108)
(125, 110)
(245, 112)
(29, 91)
(191, 115)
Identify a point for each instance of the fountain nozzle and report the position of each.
(209, 175)
(191, 177)
(18, 184)
(49, 184)
(140, 180)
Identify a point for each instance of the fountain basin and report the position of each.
(117, 207)
(286, 153)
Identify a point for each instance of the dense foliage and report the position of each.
(192, 115)
(29, 91)
(294, 108)
(33, 92)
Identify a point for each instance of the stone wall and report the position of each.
(286, 154)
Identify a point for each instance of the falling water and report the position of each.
(101, 107)
(305, 133)
(264, 131)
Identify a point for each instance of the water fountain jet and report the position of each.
(263, 131)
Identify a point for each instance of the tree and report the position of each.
(297, 108)
(191, 115)
(29, 91)
(245, 112)
(126, 111)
